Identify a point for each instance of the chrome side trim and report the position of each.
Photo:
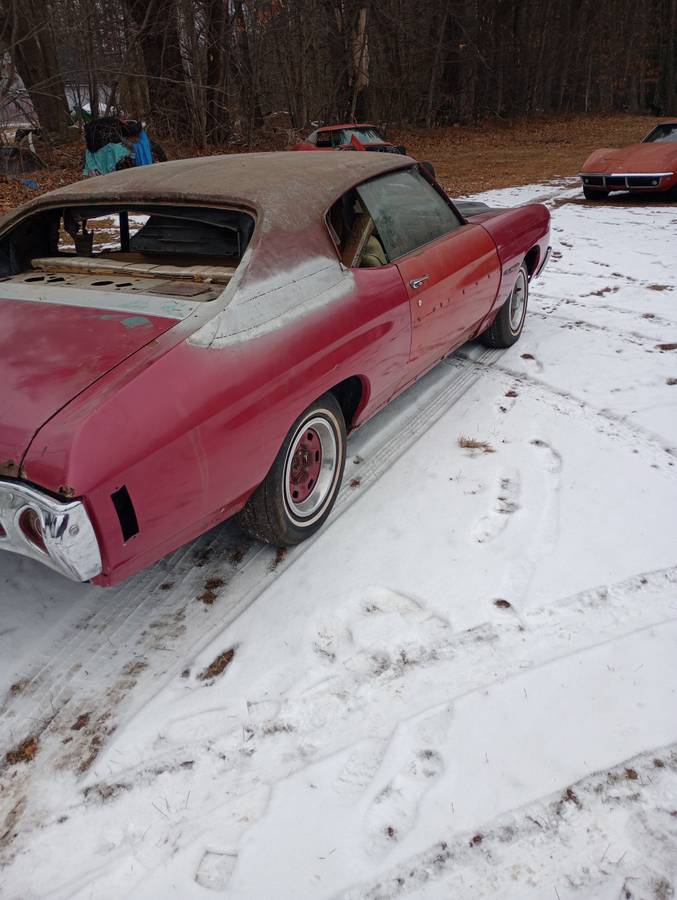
(625, 174)
(542, 265)
(71, 545)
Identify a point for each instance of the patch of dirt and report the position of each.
(100, 731)
(236, 556)
(355, 482)
(666, 346)
(24, 753)
(659, 287)
(218, 666)
(468, 443)
(80, 722)
(601, 292)
(201, 557)
(135, 667)
(18, 687)
(280, 554)
(8, 830)
(208, 595)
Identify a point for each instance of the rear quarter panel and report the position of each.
(192, 424)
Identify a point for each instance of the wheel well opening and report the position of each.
(531, 260)
(349, 395)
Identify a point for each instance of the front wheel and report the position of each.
(300, 489)
(508, 324)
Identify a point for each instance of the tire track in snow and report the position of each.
(498, 856)
(500, 651)
(612, 425)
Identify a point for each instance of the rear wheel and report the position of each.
(301, 487)
(508, 324)
(592, 194)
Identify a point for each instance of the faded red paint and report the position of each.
(190, 415)
(50, 353)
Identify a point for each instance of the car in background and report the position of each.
(211, 358)
(348, 137)
(647, 167)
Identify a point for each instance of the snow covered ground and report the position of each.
(464, 687)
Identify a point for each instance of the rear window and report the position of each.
(176, 250)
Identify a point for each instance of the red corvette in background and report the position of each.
(647, 167)
(348, 137)
(251, 311)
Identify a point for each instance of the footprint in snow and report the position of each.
(215, 870)
(492, 523)
(360, 768)
(393, 812)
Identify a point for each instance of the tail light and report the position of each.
(31, 526)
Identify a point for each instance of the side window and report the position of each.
(324, 139)
(407, 211)
(312, 138)
(355, 234)
(338, 138)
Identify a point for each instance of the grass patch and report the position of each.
(468, 443)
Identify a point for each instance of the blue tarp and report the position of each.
(141, 151)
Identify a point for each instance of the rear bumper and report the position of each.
(628, 181)
(69, 544)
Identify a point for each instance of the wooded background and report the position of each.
(213, 71)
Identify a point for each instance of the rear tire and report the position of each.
(507, 327)
(592, 194)
(299, 491)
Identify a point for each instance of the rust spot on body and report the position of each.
(9, 468)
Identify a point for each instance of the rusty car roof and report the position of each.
(277, 184)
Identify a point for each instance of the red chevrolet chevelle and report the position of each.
(182, 343)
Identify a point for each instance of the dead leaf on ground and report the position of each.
(25, 752)
(208, 595)
(218, 666)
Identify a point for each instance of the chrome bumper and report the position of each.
(70, 545)
(618, 181)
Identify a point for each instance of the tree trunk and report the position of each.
(34, 55)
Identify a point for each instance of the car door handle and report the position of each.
(416, 283)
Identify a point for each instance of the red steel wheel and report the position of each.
(301, 487)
